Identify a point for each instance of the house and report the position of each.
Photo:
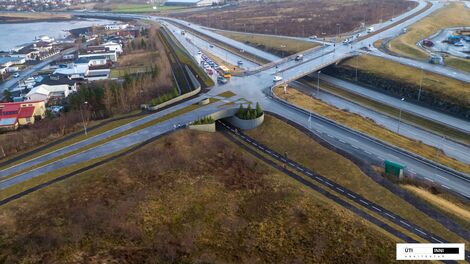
(116, 26)
(93, 61)
(51, 88)
(110, 55)
(10, 61)
(73, 71)
(28, 53)
(13, 115)
(112, 46)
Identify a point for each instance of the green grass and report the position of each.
(227, 94)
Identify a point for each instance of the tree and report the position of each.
(259, 111)
(7, 96)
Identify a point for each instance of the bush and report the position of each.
(249, 113)
(204, 121)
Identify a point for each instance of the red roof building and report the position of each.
(13, 115)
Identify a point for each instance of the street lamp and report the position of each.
(399, 116)
(318, 83)
(420, 84)
(83, 119)
(339, 31)
(282, 49)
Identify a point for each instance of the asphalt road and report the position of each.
(27, 73)
(424, 112)
(450, 148)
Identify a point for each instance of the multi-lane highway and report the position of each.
(255, 88)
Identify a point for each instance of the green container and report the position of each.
(393, 168)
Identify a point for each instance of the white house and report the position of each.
(112, 46)
(110, 55)
(116, 26)
(73, 71)
(51, 87)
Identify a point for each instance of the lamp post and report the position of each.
(83, 119)
(339, 31)
(420, 84)
(318, 83)
(399, 116)
(282, 49)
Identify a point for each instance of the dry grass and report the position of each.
(277, 45)
(455, 14)
(24, 17)
(442, 87)
(225, 208)
(458, 209)
(282, 138)
(369, 127)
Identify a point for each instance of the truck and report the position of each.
(299, 57)
(370, 29)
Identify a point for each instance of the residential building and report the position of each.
(52, 89)
(112, 46)
(116, 26)
(13, 115)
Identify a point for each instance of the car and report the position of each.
(299, 57)
(458, 44)
(277, 78)
(240, 63)
(210, 71)
(313, 37)
(211, 46)
(16, 75)
(199, 52)
(221, 80)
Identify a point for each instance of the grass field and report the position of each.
(369, 127)
(141, 8)
(281, 46)
(282, 138)
(454, 14)
(442, 87)
(227, 207)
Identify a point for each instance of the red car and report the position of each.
(210, 71)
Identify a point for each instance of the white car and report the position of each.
(277, 78)
(16, 75)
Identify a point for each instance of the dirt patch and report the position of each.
(298, 18)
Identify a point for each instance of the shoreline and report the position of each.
(20, 18)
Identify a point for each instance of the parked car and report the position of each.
(199, 52)
(277, 78)
(211, 46)
(221, 80)
(210, 71)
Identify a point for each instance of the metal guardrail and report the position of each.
(395, 149)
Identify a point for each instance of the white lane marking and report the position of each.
(445, 186)
(364, 202)
(354, 147)
(329, 184)
(442, 177)
(436, 239)
(389, 215)
(309, 173)
(428, 179)
(339, 189)
(421, 231)
(275, 155)
(268, 151)
(367, 152)
(378, 209)
(254, 144)
(300, 168)
(405, 223)
(342, 141)
(354, 197)
(249, 141)
(292, 164)
(261, 148)
(284, 160)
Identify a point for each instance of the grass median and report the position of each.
(369, 127)
(394, 113)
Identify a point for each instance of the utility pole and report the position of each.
(399, 116)
(357, 57)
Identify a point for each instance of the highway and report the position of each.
(255, 87)
(340, 190)
(424, 112)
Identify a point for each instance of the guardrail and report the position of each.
(395, 149)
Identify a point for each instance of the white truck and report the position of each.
(370, 29)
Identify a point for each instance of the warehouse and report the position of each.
(191, 2)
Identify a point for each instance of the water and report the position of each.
(12, 35)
